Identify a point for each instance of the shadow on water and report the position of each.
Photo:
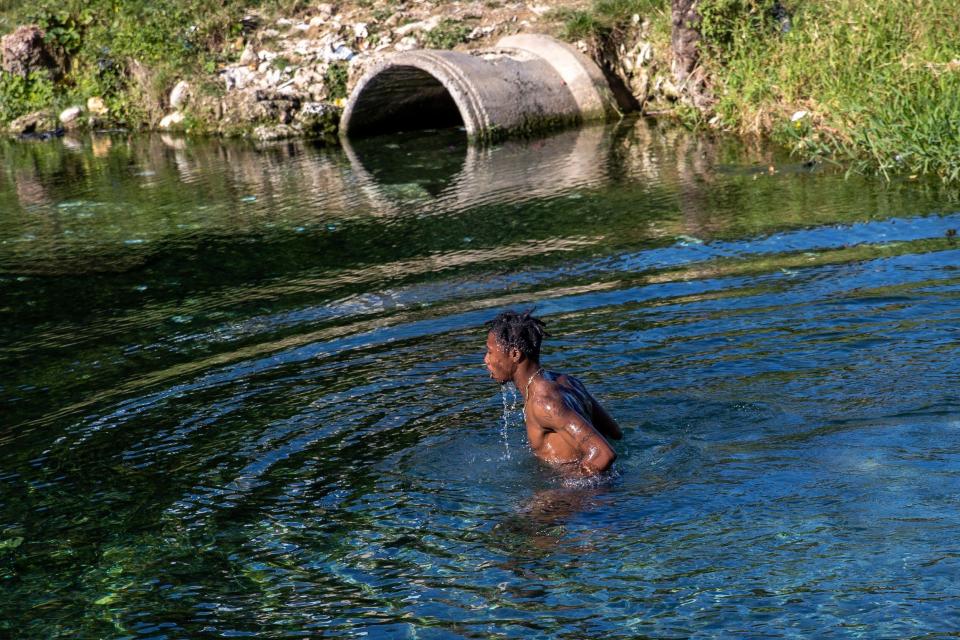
(243, 392)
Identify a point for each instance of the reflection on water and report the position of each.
(243, 394)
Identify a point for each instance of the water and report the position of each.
(243, 396)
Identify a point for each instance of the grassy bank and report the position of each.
(126, 51)
(874, 85)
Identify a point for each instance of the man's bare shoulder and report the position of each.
(545, 402)
(555, 396)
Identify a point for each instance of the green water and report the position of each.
(242, 390)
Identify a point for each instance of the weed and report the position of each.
(446, 35)
(605, 17)
(335, 79)
(280, 62)
(19, 95)
(879, 81)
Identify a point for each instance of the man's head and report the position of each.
(512, 338)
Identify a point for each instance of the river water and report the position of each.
(242, 391)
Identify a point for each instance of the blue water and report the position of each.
(243, 393)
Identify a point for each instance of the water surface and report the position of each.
(242, 392)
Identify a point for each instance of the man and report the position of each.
(565, 424)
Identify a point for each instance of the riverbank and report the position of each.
(873, 88)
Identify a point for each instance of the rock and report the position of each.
(171, 120)
(406, 44)
(360, 31)
(249, 23)
(481, 32)
(180, 95)
(71, 115)
(237, 77)
(424, 25)
(337, 52)
(36, 123)
(303, 47)
(317, 118)
(249, 56)
(96, 106)
(326, 9)
(24, 51)
(274, 132)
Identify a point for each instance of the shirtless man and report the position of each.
(565, 424)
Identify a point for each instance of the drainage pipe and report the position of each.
(527, 84)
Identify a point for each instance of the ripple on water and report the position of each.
(270, 417)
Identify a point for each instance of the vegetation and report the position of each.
(335, 79)
(446, 35)
(125, 51)
(606, 18)
(873, 84)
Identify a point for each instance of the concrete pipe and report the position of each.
(526, 84)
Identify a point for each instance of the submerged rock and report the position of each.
(171, 120)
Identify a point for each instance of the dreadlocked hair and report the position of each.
(519, 330)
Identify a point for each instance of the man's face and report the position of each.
(498, 360)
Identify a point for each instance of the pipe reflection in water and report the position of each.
(439, 171)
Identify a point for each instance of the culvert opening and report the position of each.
(402, 98)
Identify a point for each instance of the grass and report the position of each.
(335, 79)
(604, 18)
(127, 51)
(447, 34)
(879, 82)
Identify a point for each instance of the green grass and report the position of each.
(335, 79)
(605, 17)
(880, 82)
(127, 51)
(446, 35)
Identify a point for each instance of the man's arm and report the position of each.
(594, 453)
